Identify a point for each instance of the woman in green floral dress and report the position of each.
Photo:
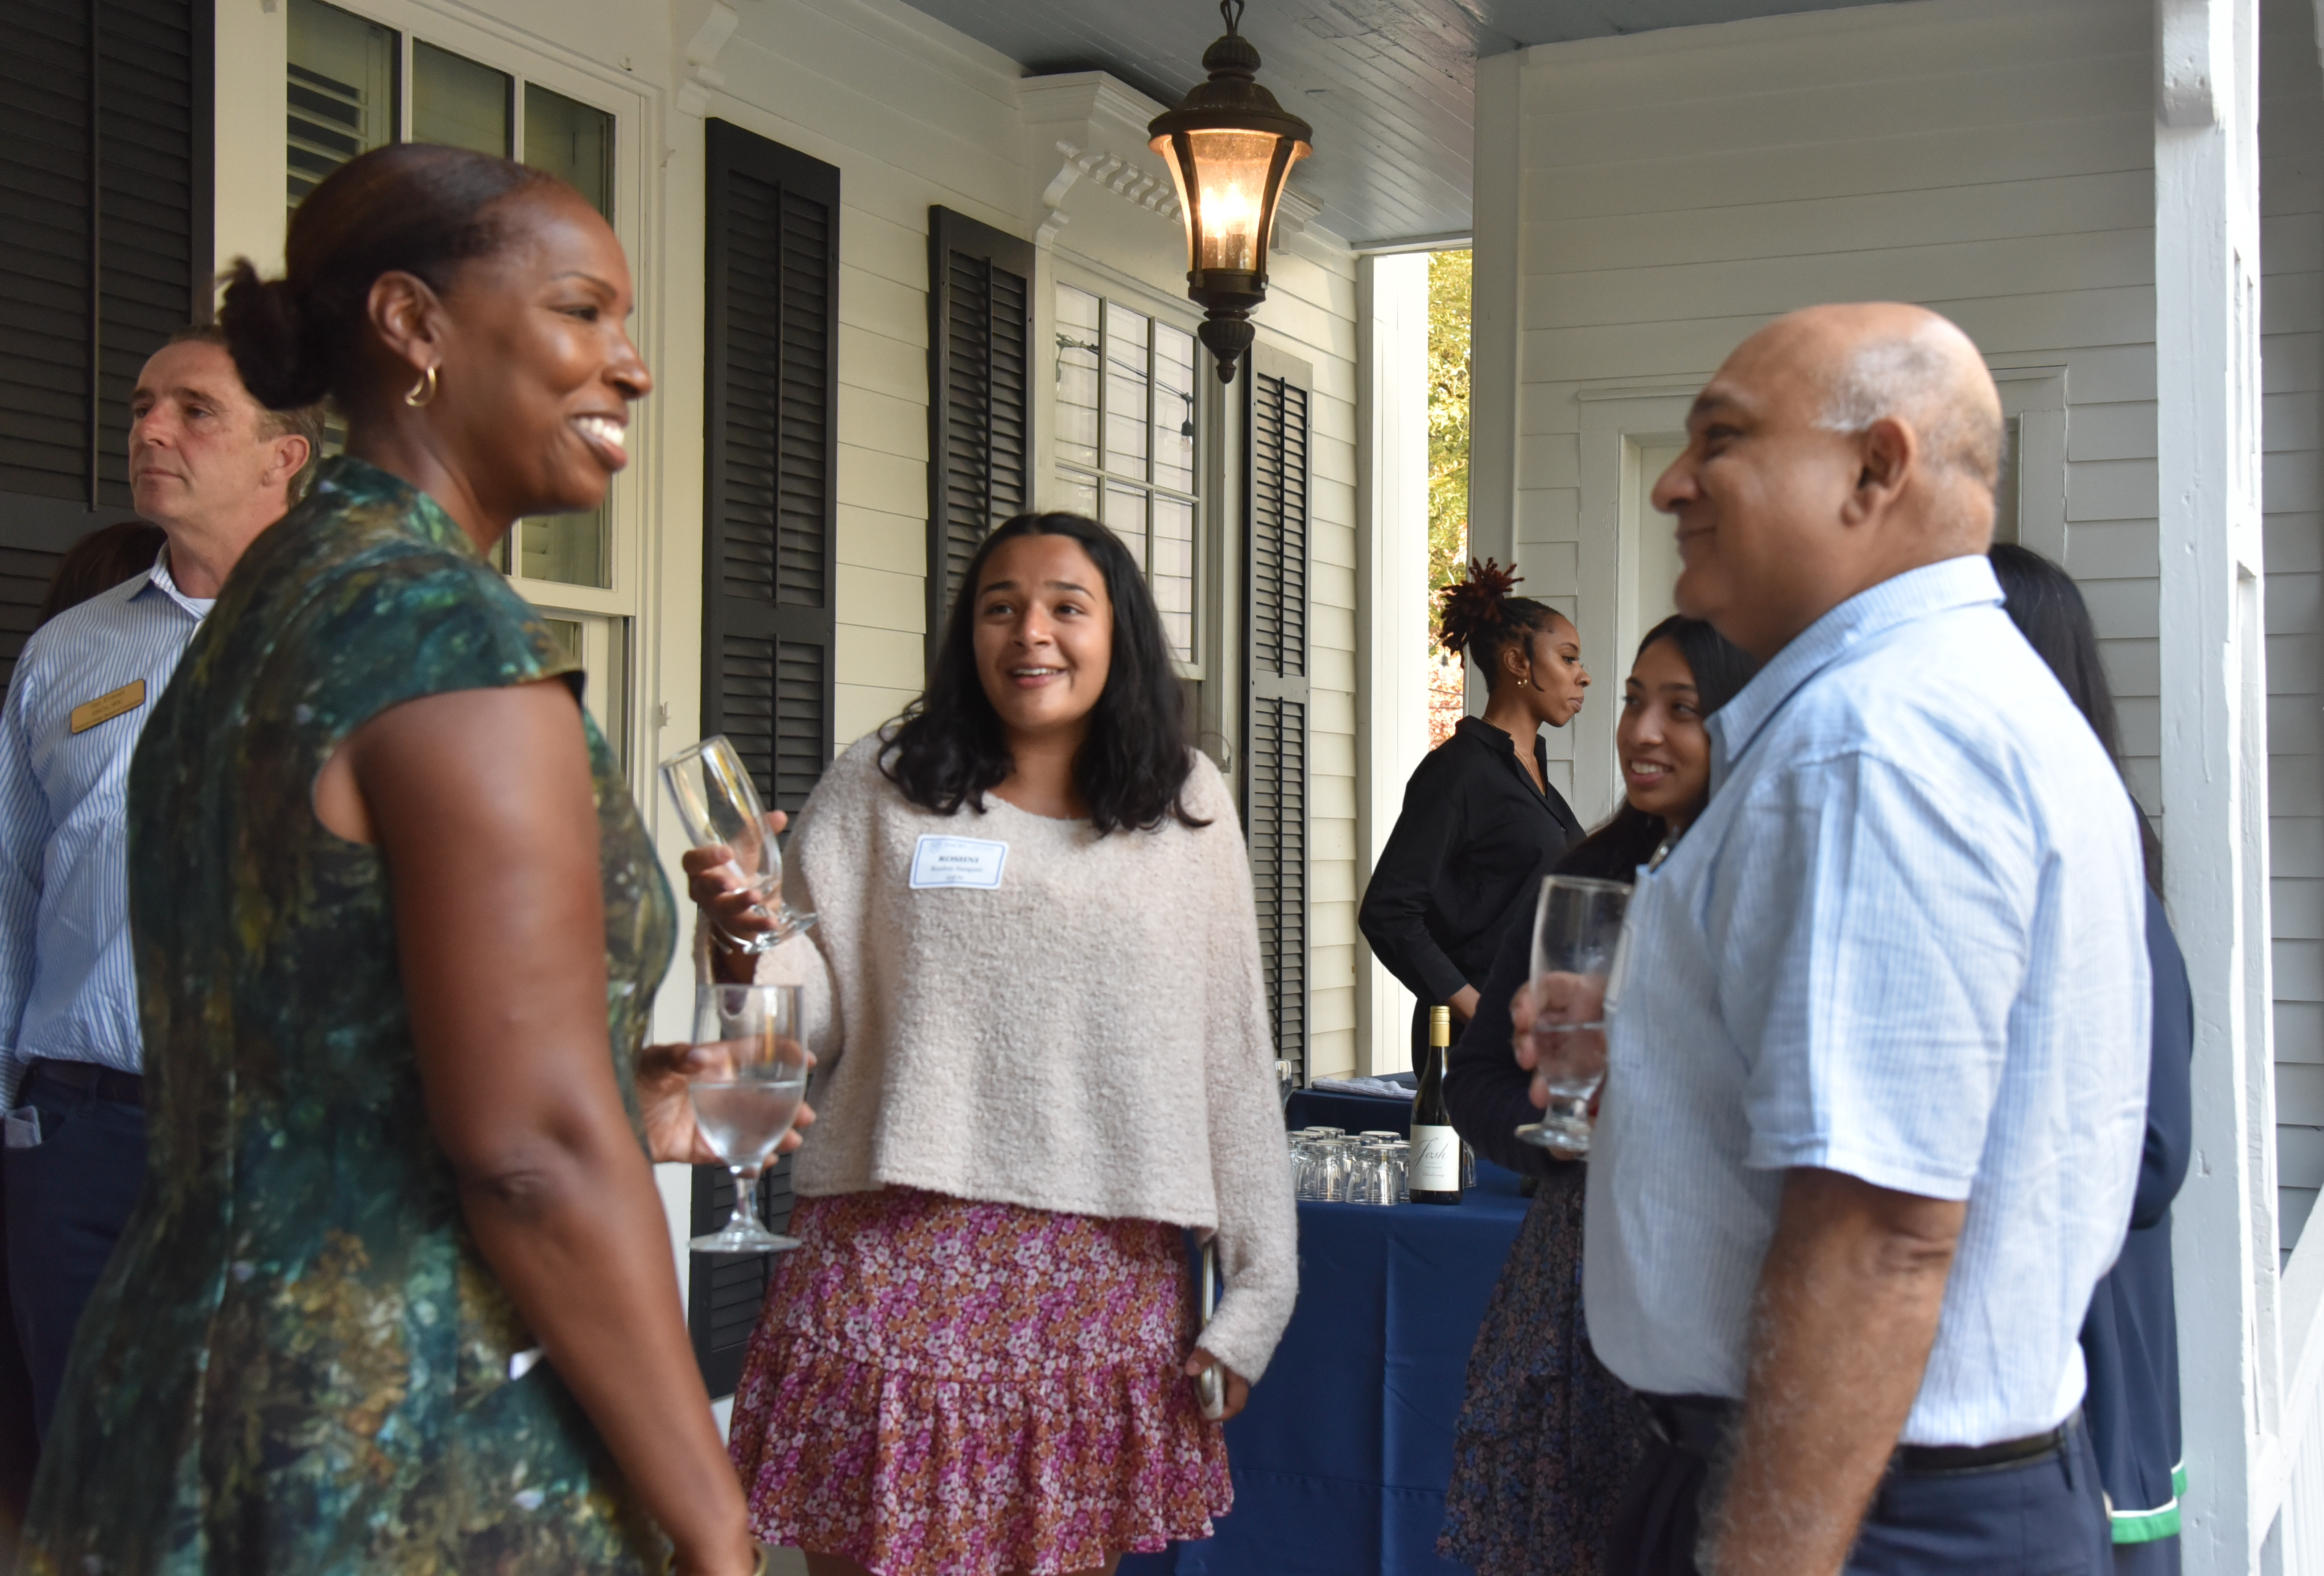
(398, 1294)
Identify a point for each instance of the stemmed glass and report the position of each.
(747, 1095)
(1576, 934)
(718, 804)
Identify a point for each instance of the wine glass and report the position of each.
(718, 804)
(1576, 934)
(747, 1095)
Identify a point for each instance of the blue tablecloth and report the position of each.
(1341, 1460)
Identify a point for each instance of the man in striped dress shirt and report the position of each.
(212, 469)
(1878, 1062)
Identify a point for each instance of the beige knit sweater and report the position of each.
(1086, 1035)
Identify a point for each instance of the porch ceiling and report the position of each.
(1389, 84)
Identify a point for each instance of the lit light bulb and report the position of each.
(1230, 217)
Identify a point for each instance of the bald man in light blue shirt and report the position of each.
(213, 469)
(1878, 1045)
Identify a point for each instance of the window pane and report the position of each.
(1077, 493)
(1171, 572)
(1126, 334)
(1125, 512)
(455, 100)
(1174, 408)
(601, 647)
(568, 549)
(572, 142)
(341, 90)
(1077, 352)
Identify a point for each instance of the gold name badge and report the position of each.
(105, 707)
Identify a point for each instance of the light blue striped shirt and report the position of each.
(68, 991)
(1904, 942)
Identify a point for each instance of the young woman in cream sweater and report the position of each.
(1034, 993)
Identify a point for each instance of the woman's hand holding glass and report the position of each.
(718, 805)
(1560, 1030)
(1560, 1018)
(663, 1074)
(739, 919)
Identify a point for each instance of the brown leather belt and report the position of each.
(88, 1078)
(1698, 1424)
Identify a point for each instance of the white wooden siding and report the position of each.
(1991, 160)
(2291, 254)
(1994, 161)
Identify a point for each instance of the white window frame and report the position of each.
(615, 611)
(1115, 291)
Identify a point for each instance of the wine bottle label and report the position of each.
(1435, 1160)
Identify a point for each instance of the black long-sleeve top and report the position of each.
(1465, 860)
(1485, 1090)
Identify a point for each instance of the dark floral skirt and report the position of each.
(1547, 1436)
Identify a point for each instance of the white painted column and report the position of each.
(2214, 761)
(1497, 340)
(1391, 592)
(1495, 335)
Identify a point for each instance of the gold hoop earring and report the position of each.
(423, 390)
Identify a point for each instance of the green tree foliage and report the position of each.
(1448, 418)
(1448, 470)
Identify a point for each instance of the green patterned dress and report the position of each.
(298, 1361)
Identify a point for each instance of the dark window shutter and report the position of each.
(25, 575)
(980, 436)
(104, 250)
(1275, 664)
(772, 266)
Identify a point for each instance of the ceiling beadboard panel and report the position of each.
(1388, 85)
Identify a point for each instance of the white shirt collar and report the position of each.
(1963, 582)
(160, 578)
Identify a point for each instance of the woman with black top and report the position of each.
(2130, 1337)
(1547, 1436)
(1481, 822)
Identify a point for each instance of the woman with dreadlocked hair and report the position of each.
(1482, 820)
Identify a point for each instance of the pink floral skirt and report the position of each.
(939, 1387)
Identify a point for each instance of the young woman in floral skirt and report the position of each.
(1035, 996)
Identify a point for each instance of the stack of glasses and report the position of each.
(1328, 1166)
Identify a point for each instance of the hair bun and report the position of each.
(1471, 606)
(266, 335)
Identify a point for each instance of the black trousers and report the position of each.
(2043, 1516)
(68, 1200)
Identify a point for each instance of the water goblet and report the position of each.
(746, 1095)
(1576, 941)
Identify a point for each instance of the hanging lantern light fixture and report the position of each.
(1229, 147)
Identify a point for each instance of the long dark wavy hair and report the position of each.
(2047, 608)
(1628, 837)
(949, 750)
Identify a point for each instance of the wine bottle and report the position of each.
(1435, 1157)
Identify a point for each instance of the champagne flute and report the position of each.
(747, 1096)
(718, 804)
(1577, 932)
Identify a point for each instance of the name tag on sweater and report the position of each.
(958, 861)
(105, 707)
